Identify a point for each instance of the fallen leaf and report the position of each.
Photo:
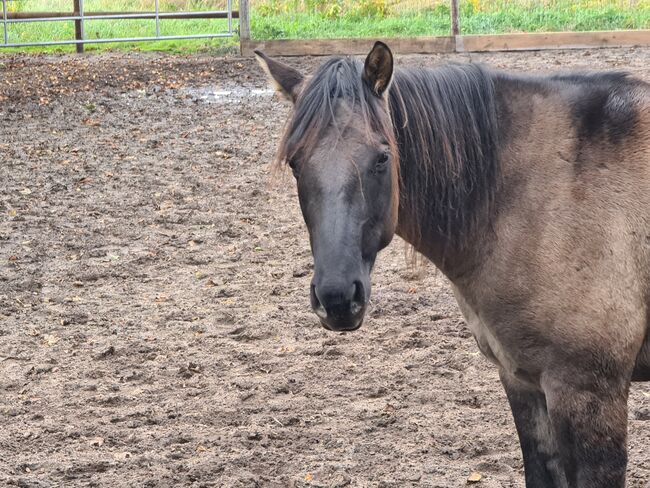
(91, 122)
(474, 477)
(309, 477)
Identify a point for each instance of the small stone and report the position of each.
(97, 441)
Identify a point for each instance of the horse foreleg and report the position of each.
(590, 426)
(542, 464)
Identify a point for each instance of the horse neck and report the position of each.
(448, 164)
(455, 259)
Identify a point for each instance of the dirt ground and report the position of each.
(154, 318)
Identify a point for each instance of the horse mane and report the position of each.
(444, 136)
(445, 121)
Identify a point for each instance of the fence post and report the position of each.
(244, 24)
(78, 30)
(455, 24)
(4, 21)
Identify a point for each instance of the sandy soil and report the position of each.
(154, 320)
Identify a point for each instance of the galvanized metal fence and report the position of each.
(79, 16)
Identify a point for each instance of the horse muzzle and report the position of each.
(345, 325)
(339, 308)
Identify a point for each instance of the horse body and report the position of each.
(555, 288)
(565, 261)
(532, 195)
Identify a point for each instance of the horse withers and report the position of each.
(531, 194)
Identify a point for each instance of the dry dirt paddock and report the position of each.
(154, 320)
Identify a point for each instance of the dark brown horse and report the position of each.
(531, 194)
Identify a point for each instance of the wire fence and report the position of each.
(297, 19)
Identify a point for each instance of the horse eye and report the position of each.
(382, 162)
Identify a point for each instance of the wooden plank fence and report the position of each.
(441, 44)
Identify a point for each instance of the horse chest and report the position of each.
(487, 342)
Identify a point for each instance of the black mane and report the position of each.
(445, 121)
(315, 109)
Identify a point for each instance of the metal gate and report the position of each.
(79, 16)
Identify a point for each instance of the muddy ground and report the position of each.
(154, 320)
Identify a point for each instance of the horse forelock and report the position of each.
(337, 81)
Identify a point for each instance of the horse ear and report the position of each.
(378, 69)
(285, 79)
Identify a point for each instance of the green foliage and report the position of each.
(384, 18)
(300, 19)
(370, 8)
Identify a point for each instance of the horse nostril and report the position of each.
(316, 305)
(358, 298)
(359, 295)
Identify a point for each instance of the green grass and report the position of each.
(127, 28)
(492, 17)
(557, 16)
(103, 29)
(305, 19)
(307, 25)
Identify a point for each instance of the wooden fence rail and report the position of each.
(449, 44)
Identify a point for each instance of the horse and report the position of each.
(530, 193)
